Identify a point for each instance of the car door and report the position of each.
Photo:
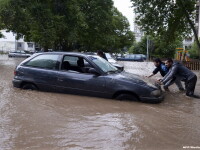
(132, 57)
(127, 58)
(75, 82)
(42, 70)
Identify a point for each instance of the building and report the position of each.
(9, 43)
(138, 32)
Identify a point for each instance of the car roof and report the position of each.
(135, 54)
(67, 53)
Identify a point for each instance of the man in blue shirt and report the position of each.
(163, 69)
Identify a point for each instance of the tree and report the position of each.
(157, 47)
(140, 47)
(169, 19)
(122, 35)
(67, 24)
(164, 50)
(194, 51)
(45, 22)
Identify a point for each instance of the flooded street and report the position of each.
(34, 120)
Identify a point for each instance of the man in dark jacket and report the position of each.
(160, 67)
(179, 71)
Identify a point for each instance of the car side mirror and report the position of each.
(93, 71)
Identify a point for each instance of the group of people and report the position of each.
(174, 72)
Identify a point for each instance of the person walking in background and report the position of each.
(181, 72)
(102, 54)
(163, 69)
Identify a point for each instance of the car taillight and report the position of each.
(15, 72)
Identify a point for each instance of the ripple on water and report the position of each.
(103, 131)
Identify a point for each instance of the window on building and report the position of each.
(30, 45)
(19, 45)
(188, 39)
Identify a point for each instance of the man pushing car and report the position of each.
(182, 73)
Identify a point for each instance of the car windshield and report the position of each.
(108, 56)
(103, 64)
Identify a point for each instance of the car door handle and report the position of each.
(79, 79)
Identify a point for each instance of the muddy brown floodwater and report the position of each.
(34, 120)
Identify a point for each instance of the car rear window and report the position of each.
(44, 61)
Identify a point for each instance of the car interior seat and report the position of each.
(80, 64)
(65, 65)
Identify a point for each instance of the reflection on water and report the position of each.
(42, 120)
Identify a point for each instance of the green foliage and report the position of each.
(166, 50)
(139, 47)
(164, 19)
(168, 22)
(157, 47)
(121, 35)
(194, 51)
(67, 24)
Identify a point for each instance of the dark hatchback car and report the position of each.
(133, 57)
(77, 73)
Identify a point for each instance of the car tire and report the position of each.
(130, 97)
(29, 86)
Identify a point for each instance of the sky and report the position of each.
(124, 6)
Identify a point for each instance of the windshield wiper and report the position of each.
(112, 71)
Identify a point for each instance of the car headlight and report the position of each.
(156, 93)
(151, 85)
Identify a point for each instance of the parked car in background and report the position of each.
(132, 57)
(110, 60)
(19, 53)
(78, 73)
(113, 61)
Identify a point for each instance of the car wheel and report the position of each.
(29, 86)
(127, 97)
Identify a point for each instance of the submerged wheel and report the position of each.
(127, 97)
(29, 86)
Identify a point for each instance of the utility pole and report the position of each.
(147, 48)
(15, 43)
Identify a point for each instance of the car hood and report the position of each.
(111, 60)
(132, 78)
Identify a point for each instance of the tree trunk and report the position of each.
(192, 26)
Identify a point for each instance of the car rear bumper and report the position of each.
(152, 99)
(16, 83)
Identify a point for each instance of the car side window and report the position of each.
(127, 56)
(71, 59)
(75, 64)
(138, 56)
(132, 56)
(48, 61)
